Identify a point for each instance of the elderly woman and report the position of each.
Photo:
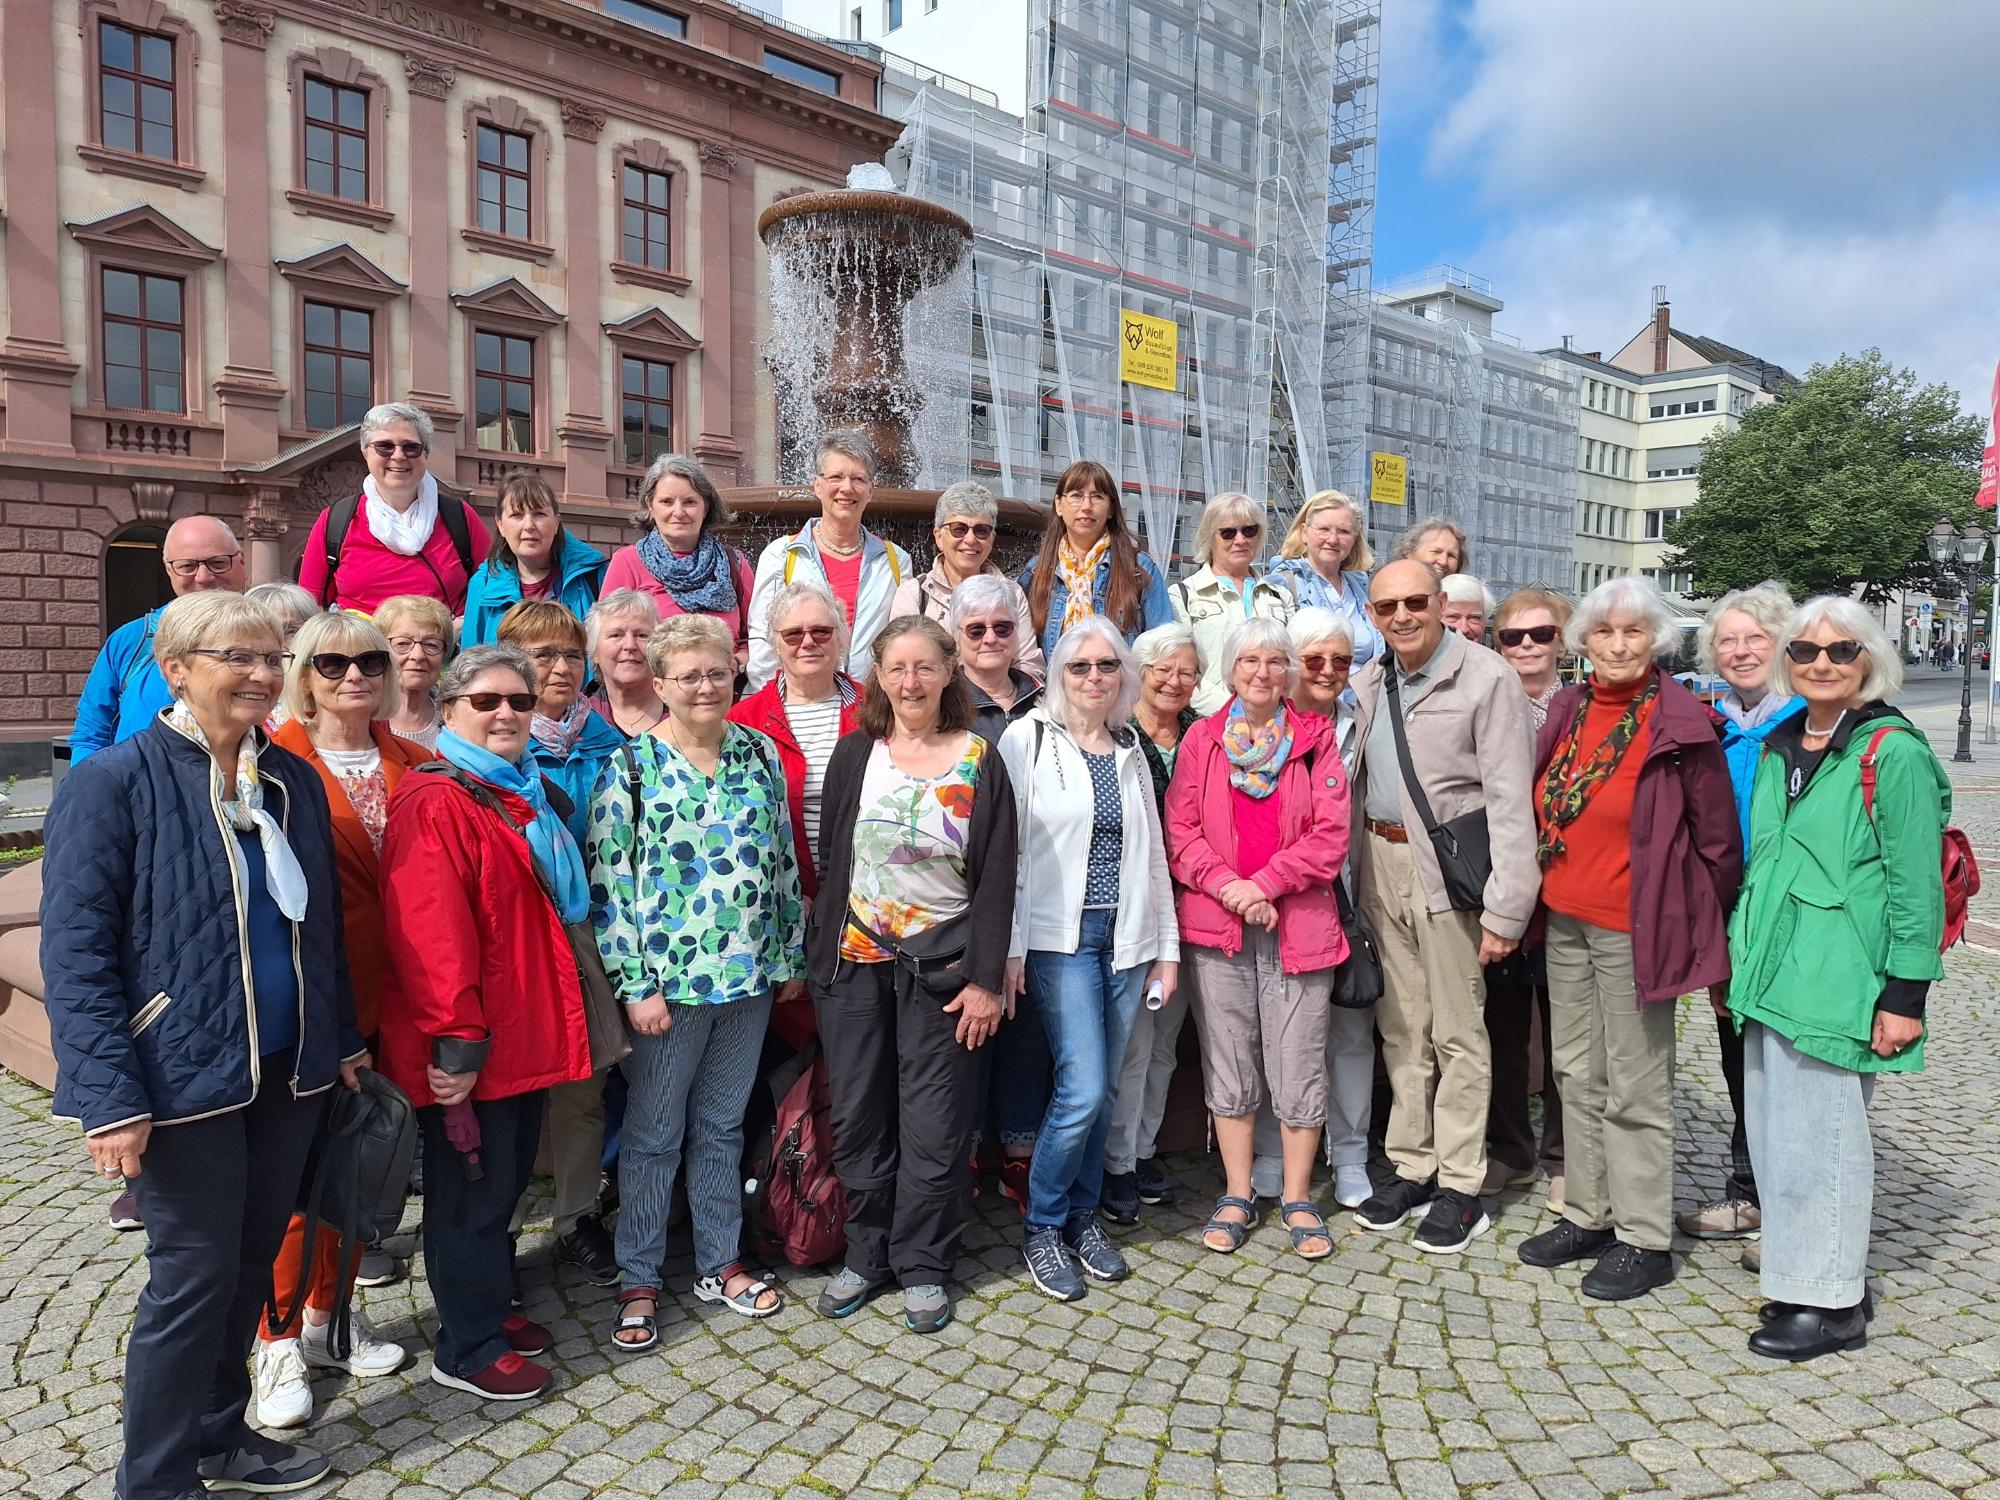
(1438, 544)
(1168, 670)
(1256, 832)
(1738, 639)
(481, 1004)
(1090, 564)
(291, 606)
(338, 689)
(1467, 603)
(420, 634)
(679, 560)
(1093, 926)
(907, 955)
(1640, 858)
(1225, 591)
(967, 518)
(615, 633)
(1527, 631)
(400, 536)
(536, 557)
(700, 920)
(1325, 558)
(981, 620)
(1835, 947)
(198, 1005)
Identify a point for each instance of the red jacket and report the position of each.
(764, 711)
(473, 947)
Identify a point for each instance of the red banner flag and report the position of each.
(1989, 468)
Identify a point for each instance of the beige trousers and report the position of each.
(1433, 1023)
(576, 1147)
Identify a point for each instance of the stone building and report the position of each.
(231, 225)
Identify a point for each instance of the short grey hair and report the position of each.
(1639, 598)
(969, 500)
(1260, 634)
(1162, 641)
(291, 604)
(714, 511)
(1853, 619)
(617, 602)
(986, 594)
(1055, 692)
(1463, 588)
(377, 417)
(1409, 541)
(1768, 603)
(792, 595)
(1312, 625)
(1223, 508)
(848, 445)
(215, 618)
(469, 663)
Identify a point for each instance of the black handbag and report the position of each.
(1357, 982)
(935, 957)
(1463, 848)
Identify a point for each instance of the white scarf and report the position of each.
(402, 531)
(283, 877)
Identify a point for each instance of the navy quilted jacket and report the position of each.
(143, 962)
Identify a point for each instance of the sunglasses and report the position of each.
(1317, 664)
(1840, 653)
(979, 531)
(1108, 667)
(333, 665)
(1416, 604)
(1249, 532)
(387, 449)
(798, 635)
(486, 703)
(1513, 635)
(1002, 630)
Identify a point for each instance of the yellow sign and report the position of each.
(1149, 350)
(1388, 476)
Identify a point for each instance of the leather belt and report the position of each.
(1394, 833)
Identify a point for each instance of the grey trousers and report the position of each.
(1139, 1098)
(1350, 1094)
(1263, 1032)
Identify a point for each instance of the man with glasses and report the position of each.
(1444, 743)
(125, 691)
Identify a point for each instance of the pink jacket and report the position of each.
(627, 572)
(1312, 816)
(368, 572)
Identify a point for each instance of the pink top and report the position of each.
(1256, 830)
(844, 578)
(369, 572)
(627, 572)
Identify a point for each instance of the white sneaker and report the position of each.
(284, 1394)
(368, 1352)
(1351, 1187)
(1267, 1176)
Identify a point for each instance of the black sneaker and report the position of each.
(588, 1248)
(1049, 1264)
(378, 1268)
(1454, 1221)
(1565, 1243)
(124, 1212)
(262, 1465)
(1094, 1251)
(1119, 1200)
(1155, 1187)
(1627, 1272)
(1395, 1203)
(1770, 1312)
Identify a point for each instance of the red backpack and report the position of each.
(797, 1208)
(1960, 870)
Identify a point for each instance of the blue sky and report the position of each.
(1806, 177)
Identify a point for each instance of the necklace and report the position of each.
(820, 540)
(1820, 734)
(658, 715)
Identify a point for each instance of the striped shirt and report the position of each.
(816, 726)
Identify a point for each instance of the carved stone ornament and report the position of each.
(265, 520)
(334, 479)
(428, 77)
(717, 160)
(153, 502)
(246, 23)
(583, 122)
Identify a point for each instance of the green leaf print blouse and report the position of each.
(707, 908)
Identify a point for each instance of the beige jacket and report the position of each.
(1472, 743)
(930, 596)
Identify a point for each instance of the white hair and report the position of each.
(1260, 634)
(1055, 692)
(1637, 598)
(1161, 642)
(1767, 603)
(291, 604)
(1312, 625)
(1854, 620)
(617, 602)
(377, 417)
(1230, 505)
(792, 595)
(1463, 588)
(985, 594)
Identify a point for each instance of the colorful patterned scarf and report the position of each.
(559, 736)
(702, 583)
(283, 876)
(1257, 752)
(1568, 788)
(1079, 576)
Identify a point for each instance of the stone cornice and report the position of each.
(582, 122)
(429, 78)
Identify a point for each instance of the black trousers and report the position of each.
(902, 1091)
(468, 1253)
(1515, 992)
(1742, 1180)
(216, 1195)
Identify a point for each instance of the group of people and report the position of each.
(990, 841)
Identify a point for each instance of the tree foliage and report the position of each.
(1833, 485)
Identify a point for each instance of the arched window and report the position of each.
(135, 580)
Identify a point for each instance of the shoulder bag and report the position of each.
(1463, 848)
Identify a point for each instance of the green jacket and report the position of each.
(1834, 906)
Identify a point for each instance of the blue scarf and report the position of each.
(547, 837)
(702, 583)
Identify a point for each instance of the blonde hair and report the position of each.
(197, 620)
(1221, 508)
(678, 634)
(1360, 560)
(351, 635)
(418, 609)
(535, 622)
(1522, 600)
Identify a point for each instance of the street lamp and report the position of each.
(1959, 553)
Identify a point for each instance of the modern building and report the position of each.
(231, 225)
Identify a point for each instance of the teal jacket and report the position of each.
(494, 589)
(1835, 906)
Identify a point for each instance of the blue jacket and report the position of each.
(1743, 748)
(577, 775)
(143, 953)
(124, 692)
(494, 589)
(1156, 607)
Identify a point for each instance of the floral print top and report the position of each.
(700, 904)
(909, 850)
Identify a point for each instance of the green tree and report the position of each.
(1833, 485)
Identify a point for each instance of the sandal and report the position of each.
(1300, 1233)
(1237, 1233)
(647, 1323)
(748, 1302)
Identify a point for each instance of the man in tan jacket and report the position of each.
(1469, 745)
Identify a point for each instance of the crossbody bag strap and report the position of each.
(1410, 782)
(490, 800)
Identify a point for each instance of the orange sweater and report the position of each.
(1591, 879)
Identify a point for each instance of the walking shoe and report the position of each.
(1455, 1220)
(368, 1353)
(1395, 1203)
(125, 1212)
(1155, 1187)
(1014, 1182)
(525, 1338)
(284, 1390)
(1267, 1176)
(1724, 1219)
(1626, 1272)
(845, 1293)
(1565, 1243)
(1753, 1258)
(378, 1268)
(926, 1308)
(1351, 1187)
(1093, 1250)
(1501, 1178)
(588, 1248)
(1119, 1200)
(1771, 1311)
(508, 1378)
(1049, 1266)
(260, 1465)
(1804, 1333)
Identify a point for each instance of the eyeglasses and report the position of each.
(1176, 674)
(798, 635)
(548, 656)
(332, 665)
(241, 661)
(187, 567)
(1317, 663)
(1249, 532)
(486, 703)
(1513, 635)
(923, 671)
(1840, 653)
(1001, 630)
(857, 481)
(387, 449)
(979, 531)
(1416, 604)
(1105, 667)
(403, 645)
(694, 682)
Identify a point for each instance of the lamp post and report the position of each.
(1960, 553)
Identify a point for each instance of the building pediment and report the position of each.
(651, 326)
(342, 268)
(143, 230)
(508, 298)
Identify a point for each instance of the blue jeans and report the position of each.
(1087, 1009)
(1012, 1078)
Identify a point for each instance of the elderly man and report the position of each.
(1444, 744)
(1467, 603)
(125, 692)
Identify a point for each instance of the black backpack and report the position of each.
(340, 516)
